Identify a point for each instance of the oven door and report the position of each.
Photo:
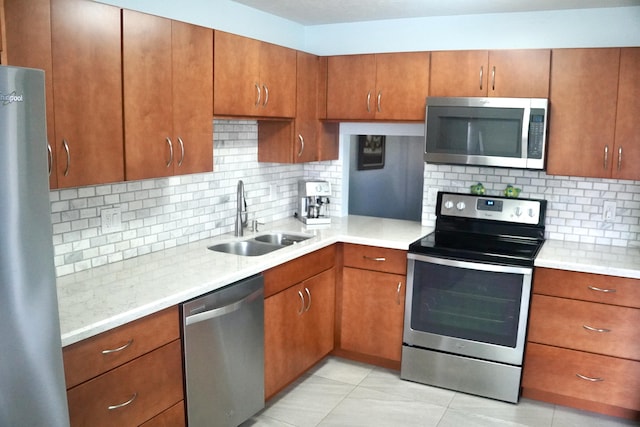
(467, 308)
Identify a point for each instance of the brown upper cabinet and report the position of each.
(253, 78)
(504, 73)
(24, 47)
(388, 86)
(168, 96)
(594, 105)
(87, 85)
(305, 138)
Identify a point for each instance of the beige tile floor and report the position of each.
(339, 392)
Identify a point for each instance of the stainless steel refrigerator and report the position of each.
(32, 387)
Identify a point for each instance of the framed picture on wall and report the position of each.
(370, 152)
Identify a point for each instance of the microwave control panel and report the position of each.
(537, 130)
(520, 211)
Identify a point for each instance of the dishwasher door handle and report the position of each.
(221, 311)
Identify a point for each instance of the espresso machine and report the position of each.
(314, 198)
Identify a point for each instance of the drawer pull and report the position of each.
(591, 328)
(115, 350)
(606, 291)
(593, 380)
(378, 259)
(121, 405)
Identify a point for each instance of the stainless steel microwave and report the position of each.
(503, 132)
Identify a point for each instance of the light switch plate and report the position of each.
(110, 220)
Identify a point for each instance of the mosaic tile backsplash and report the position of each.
(157, 214)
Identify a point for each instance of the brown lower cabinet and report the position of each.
(129, 376)
(582, 346)
(299, 317)
(371, 310)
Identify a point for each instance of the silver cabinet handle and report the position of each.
(379, 259)
(493, 78)
(594, 380)
(121, 405)
(481, 75)
(266, 95)
(170, 151)
(596, 289)
(258, 94)
(116, 350)
(591, 328)
(302, 302)
(379, 102)
(65, 144)
(301, 145)
(181, 152)
(398, 293)
(606, 157)
(309, 295)
(50, 153)
(619, 158)
(368, 101)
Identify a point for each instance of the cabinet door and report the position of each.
(32, 49)
(402, 85)
(236, 75)
(584, 87)
(519, 73)
(305, 147)
(626, 155)
(319, 316)
(372, 313)
(283, 339)
(351, 82)
(459, 73)
(87, 69)
(278, 81)
(192, 53)
(148, 113)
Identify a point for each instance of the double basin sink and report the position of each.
(260, 245)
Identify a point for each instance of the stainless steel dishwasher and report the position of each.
(224, 354)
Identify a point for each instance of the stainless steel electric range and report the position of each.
(468, 294)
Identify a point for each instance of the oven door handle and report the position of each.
(471, 265)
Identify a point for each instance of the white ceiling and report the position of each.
(318, 12)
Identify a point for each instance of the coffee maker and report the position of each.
(314, 198)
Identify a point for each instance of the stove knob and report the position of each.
(448, 204)
(460, 206)
(518, 211)
(531, 213)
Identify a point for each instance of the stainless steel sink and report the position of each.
(284, 239)
(260, 245)
(245, 248)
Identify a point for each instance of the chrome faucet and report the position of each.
(241, 206)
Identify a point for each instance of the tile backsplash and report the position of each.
(157, 214)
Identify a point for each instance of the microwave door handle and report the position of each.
(480, 144)
(525, 133)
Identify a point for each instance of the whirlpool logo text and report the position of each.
(6, 99)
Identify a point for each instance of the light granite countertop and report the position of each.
(589, 258)
(102, 298)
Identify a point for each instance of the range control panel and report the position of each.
(520, 211)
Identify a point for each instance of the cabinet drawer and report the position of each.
(87, 359)
(172, 417)
(588, 287)
(286, 275)
(566, 323)
(375, 258)
(155, 380)
(555, 370)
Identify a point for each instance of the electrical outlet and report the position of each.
(111, 220)
(609, 211)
